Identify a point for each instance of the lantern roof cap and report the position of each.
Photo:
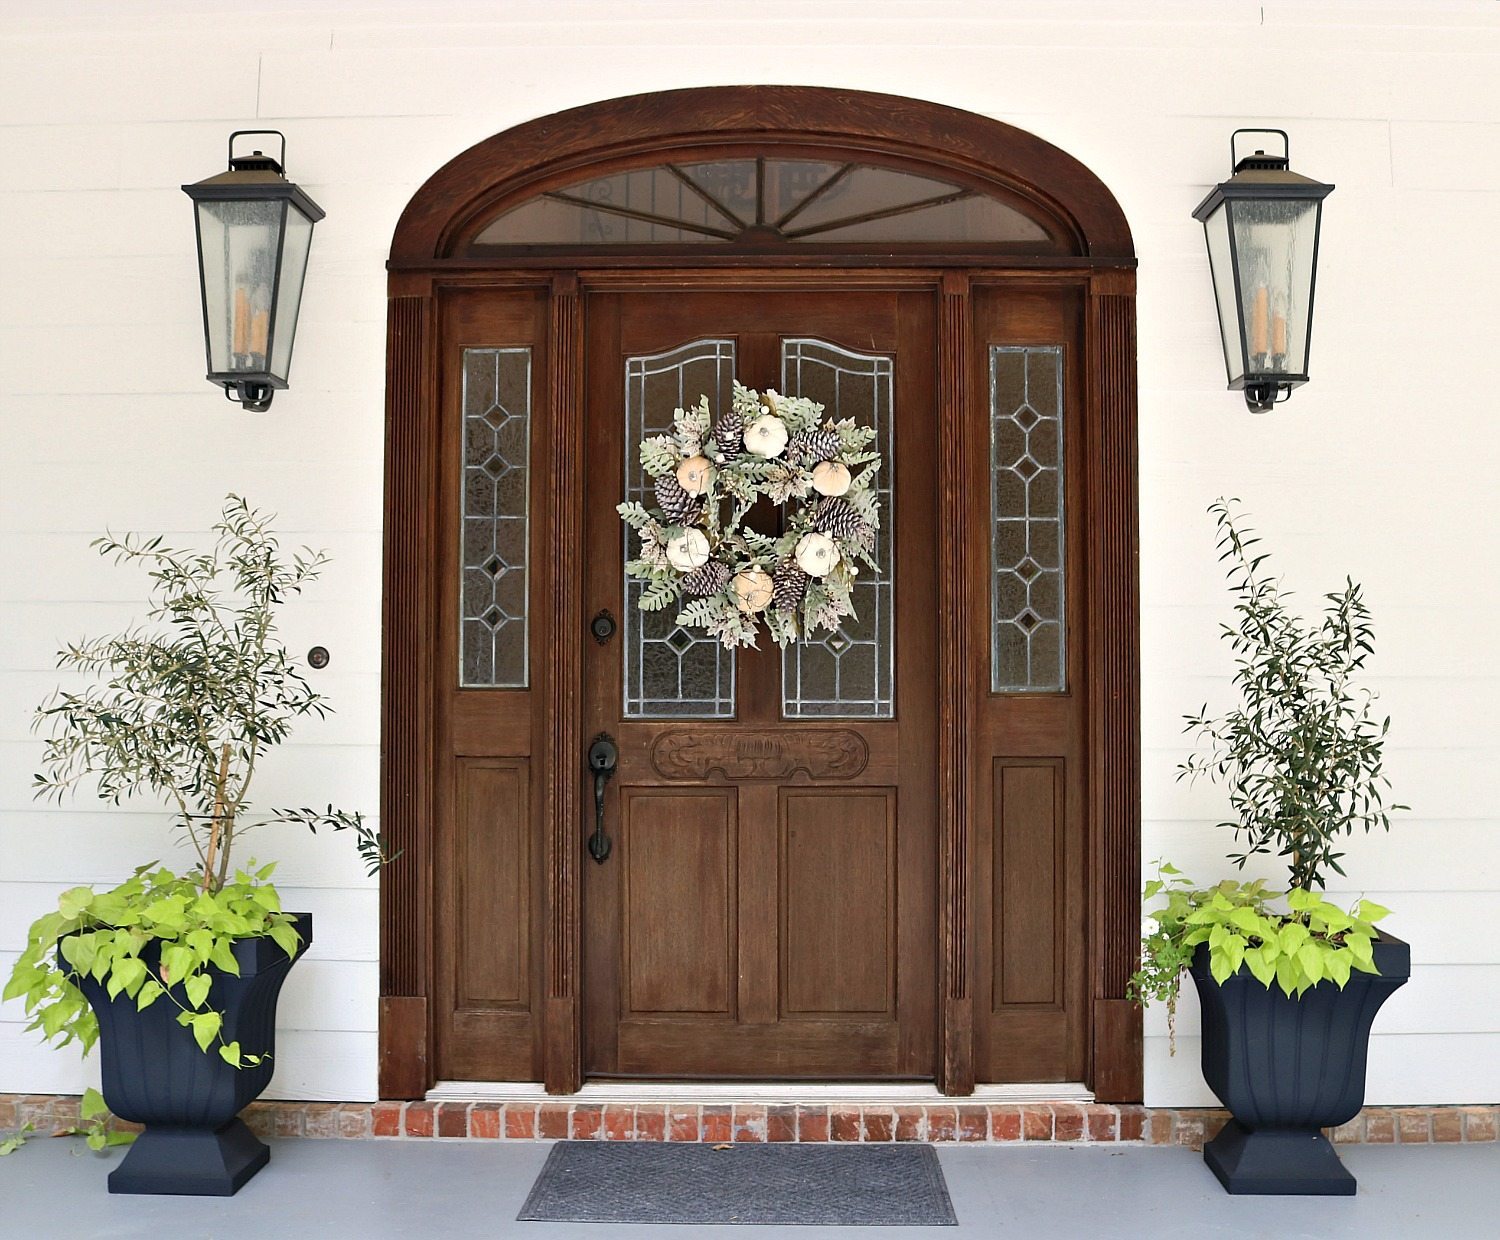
(1268, 178)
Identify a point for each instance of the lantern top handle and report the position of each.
(278, 164)
(1284, 160)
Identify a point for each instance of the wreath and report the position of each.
(696, 550)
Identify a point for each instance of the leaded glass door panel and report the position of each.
(767, 906)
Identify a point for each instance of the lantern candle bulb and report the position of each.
(241, 341)
(1259, 312)
(1278, 334)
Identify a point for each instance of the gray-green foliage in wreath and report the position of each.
(764, 446)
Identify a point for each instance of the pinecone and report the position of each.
(675, 502)
(838, 518)
(810, 447)
(788, 585)
(729, 433)
(709, 579)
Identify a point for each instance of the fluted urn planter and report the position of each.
(1286, 1068)
(153, 1073)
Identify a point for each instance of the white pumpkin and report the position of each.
(831, 478)
(752, 589)
(695, 475)
(689, 550)
(766, 436)
(817, 554)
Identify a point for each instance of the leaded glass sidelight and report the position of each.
(1027, 603)
(671, 672)
(848, 673)
(496, 488)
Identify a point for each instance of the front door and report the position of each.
(767, 909)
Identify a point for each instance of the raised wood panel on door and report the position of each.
(488, 878)
(839, 908)
(807, 949)
(1028, 849)
(676, 850)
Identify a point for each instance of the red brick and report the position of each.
(385, 1119)
(781, 1123)
(8, 1114)
(717, 1125)
(588, 1121)
(259, 1117)
(651, 1123)
(750, 1122)
(682, 1124)
(520, 1121)
(354, 1120)
(1188, 1131)
(1349, 1133)
(812, 1123)
(485, 1120)
(453, 1119)
(879, 1123)
(1447, 1125)
(1413, 1125)
(419, 1118)
(1479, 1124)
(1005, 1123)
(1380, 1127)
(1213, 1123)
(1160, 1128)
(320, 1119)
(942, 1123)
(1036, 1123)
(843, 1124)
(1132, 1123)
(973, 1123)
(552, 1121)
(287, 1120)
(1067, 1122)
(911, 1123)
(1101, 1123)
(619, 1123)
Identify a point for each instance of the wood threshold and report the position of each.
(720, 1094)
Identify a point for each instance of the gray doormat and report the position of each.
(816, 1185)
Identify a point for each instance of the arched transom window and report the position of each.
(769, 201)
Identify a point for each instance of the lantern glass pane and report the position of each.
(1221, 262)
(289, 289)
(1273, 241)
(238, 242)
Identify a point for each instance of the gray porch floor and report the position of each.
(329, 1190)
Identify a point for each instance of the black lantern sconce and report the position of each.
(1262, 229)
(254, 233)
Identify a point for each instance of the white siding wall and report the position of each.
(1383, 467)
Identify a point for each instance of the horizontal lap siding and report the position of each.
(105, 419)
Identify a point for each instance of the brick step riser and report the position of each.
(1095, 1123)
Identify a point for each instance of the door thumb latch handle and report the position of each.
(603, 757)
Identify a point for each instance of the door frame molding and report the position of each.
(525, 160)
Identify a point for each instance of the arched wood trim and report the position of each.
(470, 187)
(443, 212)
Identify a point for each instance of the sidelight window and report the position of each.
(496, 489)
(1027, 605)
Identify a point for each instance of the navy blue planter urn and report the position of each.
(153, 1073)
(1288, 1068)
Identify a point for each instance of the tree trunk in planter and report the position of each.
(1287, 1068)
(153, 1073)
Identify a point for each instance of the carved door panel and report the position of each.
(767, 905)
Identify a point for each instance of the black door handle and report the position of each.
(603, 756)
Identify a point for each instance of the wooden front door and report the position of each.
(767, 908)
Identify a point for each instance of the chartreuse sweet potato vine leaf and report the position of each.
(1313, 942)
(156, 936)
